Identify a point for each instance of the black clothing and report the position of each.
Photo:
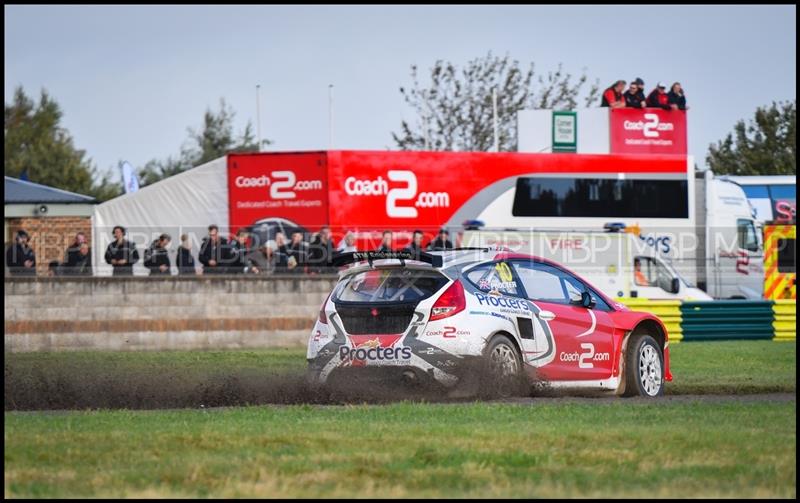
(238, 251)
(384, 248)
(633, 100)
(438, 244)
(154, 258)
(125, 251)
(300, 253)
(282, 257)
(220, 251)
(413, 248)
(75, 263)
(16, 256)
(185, 261)
(677, 99)
(319, 255)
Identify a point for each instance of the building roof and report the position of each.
(21, 192)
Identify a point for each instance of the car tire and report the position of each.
(504, 373)
(644, 367)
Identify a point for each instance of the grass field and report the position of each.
(611, 448)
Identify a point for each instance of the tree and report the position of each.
(455, 112)
(215, 139)
(765, 146)
(37, 146)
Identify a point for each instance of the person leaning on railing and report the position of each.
(121, 253)
(156, 258)
(184, 259)
(20, 257)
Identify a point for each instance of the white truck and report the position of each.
(719, 249)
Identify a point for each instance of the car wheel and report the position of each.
(644, 367)
(504, 368)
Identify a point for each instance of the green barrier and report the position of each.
(785, 323)
(727, 320)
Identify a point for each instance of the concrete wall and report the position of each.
(205, 312)
(49, 236)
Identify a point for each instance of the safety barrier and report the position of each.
(727, 319)
(722, 319)
(785, 324)
(669, 311)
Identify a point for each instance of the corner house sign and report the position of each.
(565, 131)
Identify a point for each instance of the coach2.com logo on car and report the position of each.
(585, 357)
(401, 202)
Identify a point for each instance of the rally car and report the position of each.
(428, 317)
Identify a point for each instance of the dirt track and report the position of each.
(73, 387)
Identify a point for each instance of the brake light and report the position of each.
(323, 318)
(451, 302)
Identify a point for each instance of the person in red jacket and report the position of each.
(658, 97)
(612, 96)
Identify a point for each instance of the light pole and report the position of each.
(258, 115)
(494, 114)
(330, 116)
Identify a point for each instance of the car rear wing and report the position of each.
(370, 256)
(342, 259)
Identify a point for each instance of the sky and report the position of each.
(132, 79)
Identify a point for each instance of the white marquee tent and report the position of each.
(185, 203)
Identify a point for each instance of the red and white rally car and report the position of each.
(424, 316)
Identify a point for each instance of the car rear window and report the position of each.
(389, 285)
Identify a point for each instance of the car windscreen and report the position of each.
(389, 285)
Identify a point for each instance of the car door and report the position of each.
(583, 337)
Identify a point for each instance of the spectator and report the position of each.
(72, 251)
(320, 252)
(238, 251)
(20, 258)
(121, 253)
(214, 252)
(612, 96)
(297, 253)
(79, 263)
(441, 242)
(348, 243)
(156, 258)
(415, 246)
(676, 98)
(184, 259)
(53, 268)
(658, 98)
(281, 251)
(386, 242)
(640, 94)
(634, 97)
(264, 260)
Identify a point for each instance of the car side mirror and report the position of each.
(676, 285)
(586, 300)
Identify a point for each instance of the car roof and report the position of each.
(468, 256)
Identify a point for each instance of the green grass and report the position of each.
(611, 449)
(733, 367)
(616, 448)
